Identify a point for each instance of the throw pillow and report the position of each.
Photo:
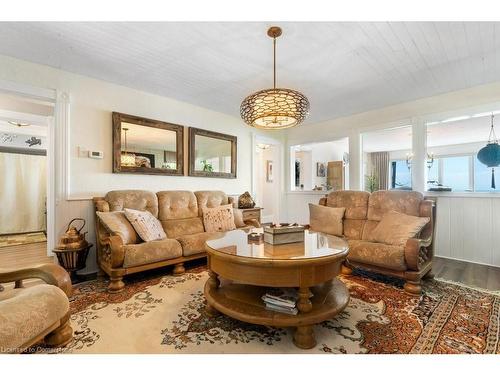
(116, 223)
(219, 219)
(396, 228)
(238, 218)
(147, 226)
(326, 219)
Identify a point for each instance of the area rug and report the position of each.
(166, 314)
(22, 239)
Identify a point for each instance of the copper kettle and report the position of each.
(73, 238)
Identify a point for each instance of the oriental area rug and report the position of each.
(166, 314)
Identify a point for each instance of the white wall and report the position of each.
(91, 104)
(475, 100)
(268, 193)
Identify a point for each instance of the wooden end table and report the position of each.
(241, 272)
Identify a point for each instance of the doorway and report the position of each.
(267, 178)
(24, 180)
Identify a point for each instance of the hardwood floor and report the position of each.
(19, 256)
(472, 274)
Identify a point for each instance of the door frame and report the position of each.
(57, 151)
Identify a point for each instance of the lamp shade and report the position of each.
(489, 155)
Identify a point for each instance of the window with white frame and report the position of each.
(452, 147)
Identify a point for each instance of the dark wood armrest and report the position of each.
(50, 273)
(412, 251)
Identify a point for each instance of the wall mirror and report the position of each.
(147, 146)
(212, 154)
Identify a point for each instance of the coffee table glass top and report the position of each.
(315, 245)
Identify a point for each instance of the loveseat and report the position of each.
(121, 252)
(363, 211)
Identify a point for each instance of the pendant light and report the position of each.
(126, 159)
(276, 108)
(489, 155)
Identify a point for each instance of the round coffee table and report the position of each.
(241, 271)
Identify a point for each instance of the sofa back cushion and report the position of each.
(353, 228)
(355, 203)
(177, 204)
(210, 199)
(384, 201)
(176, 228)
(141, 200)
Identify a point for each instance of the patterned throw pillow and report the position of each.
(145, 224)
(219, 219)
(326, 219)
(396, 228)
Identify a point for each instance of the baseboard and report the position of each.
(467, 261)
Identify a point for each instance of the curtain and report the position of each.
(380, 168)
(23, 191)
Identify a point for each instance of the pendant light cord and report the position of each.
(274, 64)
(493, 137)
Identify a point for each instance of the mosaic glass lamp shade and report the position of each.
(489, 155)
(276, 108)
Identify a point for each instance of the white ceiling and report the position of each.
(343, 68)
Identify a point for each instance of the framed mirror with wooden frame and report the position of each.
(146, 146)
(212, 154)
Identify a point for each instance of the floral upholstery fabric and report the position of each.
(27, 312)
(377, 254)
(195, 243)
(177, 204)
(141, 200)
(145, 224)
(115, 222)
(381, 202)
(326, 219)
(396, 228)
(210, 199)
(219, 219)
(368, 228)
(355, 202)
(181, 227)
(151, 252)
(353, 228)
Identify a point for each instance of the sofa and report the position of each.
(35, 313)
(122, 252)
(363, 211)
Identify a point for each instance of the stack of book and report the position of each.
(283, 300)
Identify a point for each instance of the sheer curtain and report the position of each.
(23, 190)
(380, 168)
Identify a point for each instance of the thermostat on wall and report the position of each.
(96, 154)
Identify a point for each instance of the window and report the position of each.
(454, 143)
(400, 175)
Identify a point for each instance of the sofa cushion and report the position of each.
(383, 201)
(377, 254)
(145, 224)
(142, 200)
(117, 223)
(368, 228)
(396, 228)
(182, 227)
(195, 243)
(355, 202)
(219, 219)
(27, 312)
(150, 252)
(353, 228)
(326, 219)
(177, 204)
(210, 199)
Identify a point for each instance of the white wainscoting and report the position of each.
(467, 228)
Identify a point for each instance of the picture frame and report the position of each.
(320, 169)
(269, 171)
